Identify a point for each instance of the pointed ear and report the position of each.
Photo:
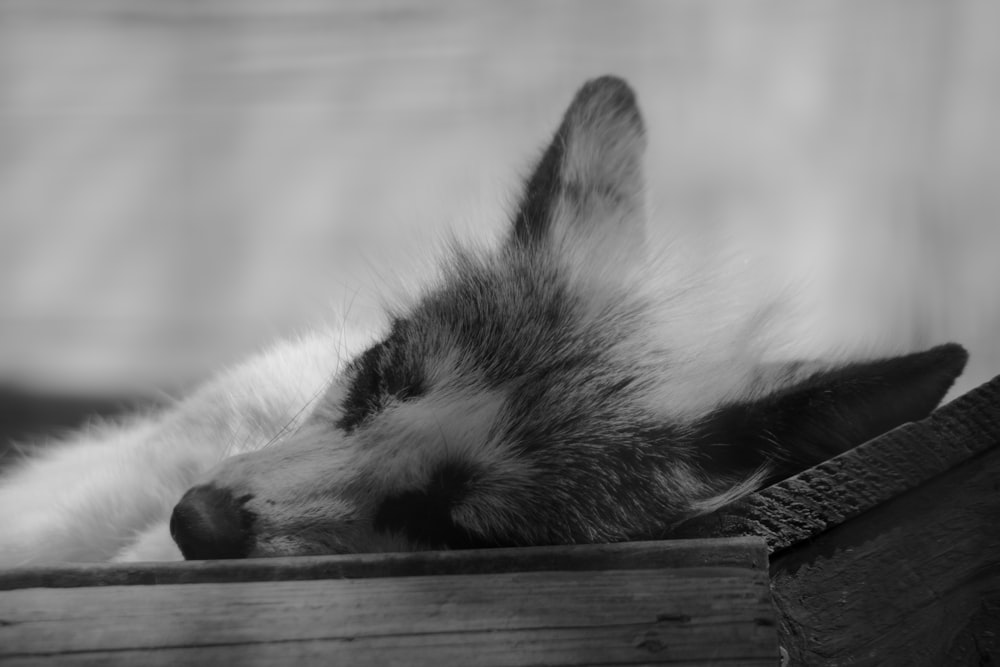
(587, 191)
(828, 413)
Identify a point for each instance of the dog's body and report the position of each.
(108, 492)
(570, 385)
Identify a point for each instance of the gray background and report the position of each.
(180, 182)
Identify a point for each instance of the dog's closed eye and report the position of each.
(382, 373)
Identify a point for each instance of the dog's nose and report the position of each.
(209, 522)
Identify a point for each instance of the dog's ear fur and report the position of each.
(586, 195)
(828, 413)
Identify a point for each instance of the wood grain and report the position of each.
(831, 493)
(915, 581)
(695, 614)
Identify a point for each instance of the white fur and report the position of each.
(108, 493)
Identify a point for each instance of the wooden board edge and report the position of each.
(734, 552)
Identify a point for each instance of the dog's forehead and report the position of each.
(508, 319)
(556, 359)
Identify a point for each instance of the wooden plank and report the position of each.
(831, 493)
(915, 581)
(696, 615)
(732, 552)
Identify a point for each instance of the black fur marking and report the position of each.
(381, 373)
(424, 515)
(531, 224)
(363, 398)
(828, 413)
(735, 441)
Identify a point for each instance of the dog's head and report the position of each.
(551, 391)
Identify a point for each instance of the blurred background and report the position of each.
(180, 182)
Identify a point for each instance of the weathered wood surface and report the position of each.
(687, 610)
(835, 491)
(740, 552)
(915, 581)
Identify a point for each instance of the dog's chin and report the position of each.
(284, 546)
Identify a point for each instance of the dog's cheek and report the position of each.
(426, 516)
